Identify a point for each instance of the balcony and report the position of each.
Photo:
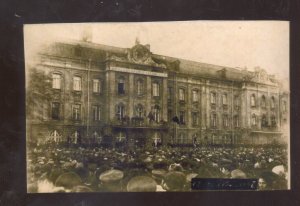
(137, 122)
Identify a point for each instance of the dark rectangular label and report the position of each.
(223, 184)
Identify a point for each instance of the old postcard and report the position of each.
(157, 106)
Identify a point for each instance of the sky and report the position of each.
(227, 43)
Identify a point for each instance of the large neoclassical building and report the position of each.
(133, 94)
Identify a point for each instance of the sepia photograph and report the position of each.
(180, 106)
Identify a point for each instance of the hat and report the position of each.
(279, 170)
(238, 174)
(81, 189)
(141, 184)
(174, 181)
(190, 176)
(68, 180)
(175, 167)
(111, 176)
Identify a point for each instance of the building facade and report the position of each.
(130, 94)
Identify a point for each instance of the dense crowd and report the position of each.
(74, 168)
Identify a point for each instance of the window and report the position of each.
(236, 101)
(181, 95)
(213, 98)
(170, 116)
(213, 120)
(224, 99)
(284, 106)
(253, 120)
(121, 86)
(96, 86)
(273, 121)
(139, 111)
(120, 111)
(56, 81)
(169, 93)
(236, 121)
(96, 113)
(76, 111)
(252, 100)
(225, 120)
(263, 101)
(155, 89)
(156, 113)
(139, 87)
(272, 102)
(264, 121)
(77, 83)
(55, 110)
(182, 117)
(195, 118)
(195, 96)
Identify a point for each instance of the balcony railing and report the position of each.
(137, 122)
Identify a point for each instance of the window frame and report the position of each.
(98, 86)
(56, 80)
(77, 116)
(77, 79)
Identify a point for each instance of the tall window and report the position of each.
(253, 120)
(96, 113)
(155, 89)
(170, 115)
(96, 86)
(77, 83)
(272, 102)
(236, 121)
(76, 111)
(264, 121)
(273, 121)
(156, 113)
(213, 120)
(140, 87)
(169, 93)
(252, 100)
(139, 110)
(195, 96)
(182, 117)
(120, 111)
(121, 86)
(224, 99)
(236, 101)
(263, 101)
(56, 81)
(213, 98)
(225, 120)
(181, 95)
(284, 106)
(55, 110)
(195, 118)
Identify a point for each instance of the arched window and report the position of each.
(195, 96)
(272, 102)
(253, 120)
(273, 121)
(77, 83)
(156, 113)
(263, 101)
(253, 100)
(56, 81)
(140, 87)
(121, 85)
(155, 89)
(120, 111)
(264, 121)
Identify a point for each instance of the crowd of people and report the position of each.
(79, 168)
